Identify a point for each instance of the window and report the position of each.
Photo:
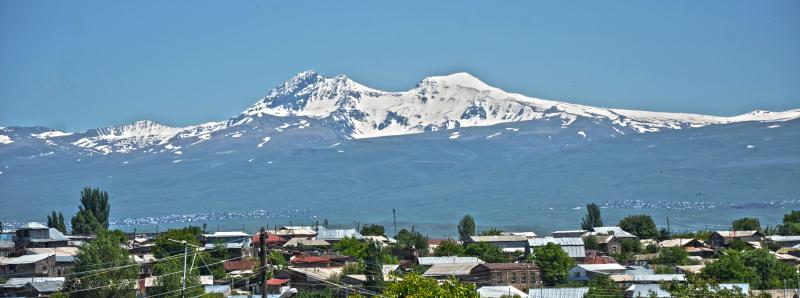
(498, 278)
(513, 277)
(524, 278)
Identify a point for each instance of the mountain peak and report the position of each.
(462, 79)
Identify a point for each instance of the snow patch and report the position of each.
(5, 140)
(264, 141)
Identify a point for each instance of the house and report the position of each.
(626, 280)
(644, 259)
(573, 246)
(289, 232)
(34, 234)
(685, 269)
(785, 241)
(569, 234)
(239, 267)
(336, 235)
(519, 275)
(303, 261)
(309, 278)
(462, 271)
(507, 243)
(301, 242)
(7, 248)
(430, 261)
(146, 264)
(608, 243)
(383, 240)
(582, 272)
(558, 292)
(238, 244)
(361, 279)
(29, 265)
(786, 258)
(31, 286)
(434, 243)
(616, 231)
(720, 239)
(646, 290)
(693, 247)
(278, 285)
(273, 241)
(592, 257)
(500, 291)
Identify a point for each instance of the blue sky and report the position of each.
(77, 65)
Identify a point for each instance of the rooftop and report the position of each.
(26, 259)
(448, 260)
(450, 269)
(337, 234)
(557, 292)
(498, 238)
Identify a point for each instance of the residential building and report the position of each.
(785, 241)
(507, 243)
(34, 234)
(29, 265)
(31, 286)
(573, 246)
(616, 231)
(336, 235)
(430, 261)
(7, 248)
(519, 275)
(273, 241)
(298, 242)
(720, 239)
(582, 272)
(462, 271)
(569, 234)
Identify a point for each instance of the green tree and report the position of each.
(757, 267)
(554, 263)
(117, 275)
(747, 224)
(165, 246)
(350, 246)
(492, 232)
(92, 216)
(486, 251)
(590, 242)
(631, 246)
(416, 286)
(698, 286)
(738, 244)
(641, 225)
(592, 218)
(169, 277)
(466, 227)
(56, 220)
(372, 230)
(673, 256)
(449, 248)
(373, 267)
(601, 286)
(407, 239)
(791, 224)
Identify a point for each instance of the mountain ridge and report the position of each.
(355, 111)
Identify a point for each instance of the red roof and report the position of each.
(276, 281)
(310, 259)
(594, 258)
(238, 265)
(271, 239)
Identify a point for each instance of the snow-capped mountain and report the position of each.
(350, 110)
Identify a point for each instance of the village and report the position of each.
(629, 259)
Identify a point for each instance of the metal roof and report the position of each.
(305, 242)
(601, 267)
(450, 269)
(32, 226)
(574, 251)
(542, 241)
(619, 232)
(498, 238)
(777, 238)
(499, 291)
(557, 292)
(20, 281)
(645, 290)
(26, 259)
(337, 234)
(47, 286)
(448, 260)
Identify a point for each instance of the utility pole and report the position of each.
(394, 219)
(668, 229)
(185, 256)
(262, 258)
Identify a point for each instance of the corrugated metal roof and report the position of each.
(575, 251)
(449, 269)
(47, 286)
(427, 261)
(557, 292)
(542, 241)
(498, 238)
(619, 232)
(499, 291)
(337, 234)
(32, 225)
(20, 281)
(645, 290)
(777, 238)
(601, 267)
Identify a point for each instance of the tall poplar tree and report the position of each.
(592, 218)
(92, 216)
